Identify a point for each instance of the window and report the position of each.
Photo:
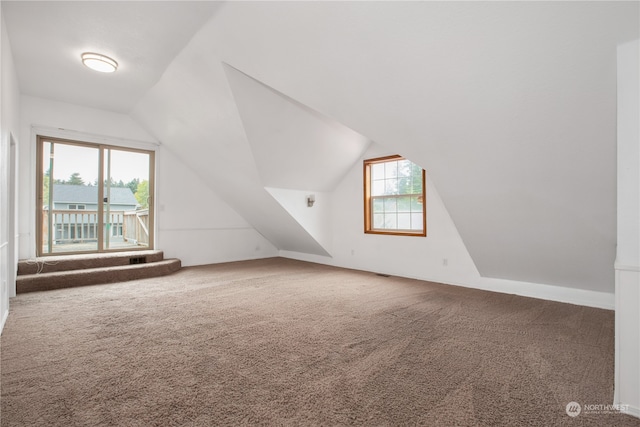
(77, 207)
(394, 196)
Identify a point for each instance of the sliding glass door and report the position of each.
(127, 183)
(93, 198)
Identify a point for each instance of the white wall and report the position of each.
(627, 375)
(195, 225)
(398, 255)
(315, 219)
(9, 106)
(441, 256)
(192, 222)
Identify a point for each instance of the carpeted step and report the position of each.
(94, 276)
(51, 264)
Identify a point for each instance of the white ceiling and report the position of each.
(48, 37)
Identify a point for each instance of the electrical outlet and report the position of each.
(445, 262)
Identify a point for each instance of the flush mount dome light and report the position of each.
(98, 62)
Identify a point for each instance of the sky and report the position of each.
(68, 159)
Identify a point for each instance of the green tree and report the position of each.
(112, 183)
(133, 185)
(46, 185)
(75, 179)
(142, 194)
(45, 188)
(409, 178)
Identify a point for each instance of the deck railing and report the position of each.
(80, 226)
(136, 227)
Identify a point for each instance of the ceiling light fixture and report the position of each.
(98, 62)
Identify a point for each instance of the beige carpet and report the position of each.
(281, 342)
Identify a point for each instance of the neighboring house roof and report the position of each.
(64, 193)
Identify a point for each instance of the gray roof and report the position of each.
(65, 193)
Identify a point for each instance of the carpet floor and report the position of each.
(282, 342)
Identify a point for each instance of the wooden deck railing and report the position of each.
(80, 226)
(136, 227)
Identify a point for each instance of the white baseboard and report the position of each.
(634, 411)
(626, 267)
(575, 296)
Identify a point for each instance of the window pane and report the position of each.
(377, 171)
(390, 204)
(390, 169)
(416, 206)
(404, 168)
(378, 205)
(404, 186)
(416, 221)
(377, 188)
(416, 172)
(404, 221)
(390, 221)
(378, 220)
(391, 186)
(68, 169)
(417, 184)
(404, 204)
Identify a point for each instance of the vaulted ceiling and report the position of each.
(510, 106)
(48, 37)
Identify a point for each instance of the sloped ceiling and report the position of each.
(194, 116)
(293, 146)
(193, 112)
(48, 37)
(296, 151)
(509, 105)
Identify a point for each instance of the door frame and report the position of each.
(40, 157)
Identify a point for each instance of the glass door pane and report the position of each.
(126, 199)
(69, 198)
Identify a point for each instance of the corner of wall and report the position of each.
(9, 125)
(627, 266)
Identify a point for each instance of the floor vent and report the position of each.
(138, 260)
